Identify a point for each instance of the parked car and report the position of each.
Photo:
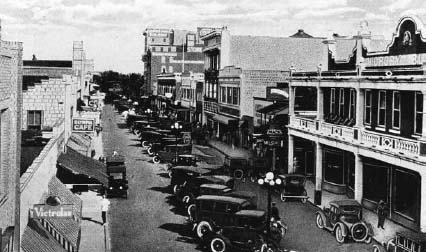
(245, 230)
(236, 166)
(188, 191)
(180, 174)
(211, 212)
(170, 152)
(160, 144)
(116, 171)
(406, 241)
(344, 218)
(293, 187)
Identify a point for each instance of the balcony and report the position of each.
(360, 137)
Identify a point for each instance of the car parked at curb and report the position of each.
(344, 219)
(404, 241)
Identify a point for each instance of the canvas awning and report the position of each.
(275, 108)
(225, 119)
(80, 164)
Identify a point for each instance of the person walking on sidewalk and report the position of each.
(104, 208)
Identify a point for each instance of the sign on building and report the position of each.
(275, 136)
(44, 211)
(83, 124)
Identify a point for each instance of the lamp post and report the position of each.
(148, 111)
(176, 127)
(270, 181)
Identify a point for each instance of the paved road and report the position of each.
(146, 221)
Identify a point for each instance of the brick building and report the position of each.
(10, 142)
(238, 68)
(367, 134)
(170, 51)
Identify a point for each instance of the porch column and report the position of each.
(318, 174)
(291, 99)
(359, 168)
(320, 102)
(359, 122)
(423, 202)
(290, 153)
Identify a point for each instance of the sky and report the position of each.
(112, 29)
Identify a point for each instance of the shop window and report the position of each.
(235, 96)
(352, 104)
(396, 108)
(342, 102)
(333, 166)
(418, 125)
(381, 113)
(34, 119)
(333, 101)
(223, 94)
(406, 193)
(367, 107)
(375, 178)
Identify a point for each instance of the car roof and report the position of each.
(346, 202)
(250, 213)
(209, 166)
(188, 155)
(222, 198)
(178, 145)
(414, 236)
(223, 178)
(292, 176)
(214, 186)
(246, 194)
(190, 169)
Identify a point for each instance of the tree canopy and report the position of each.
(129, 83)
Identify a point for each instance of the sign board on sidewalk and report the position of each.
(275, 137)
(43, 211)
(83, 124)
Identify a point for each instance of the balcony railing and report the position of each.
(389, 143)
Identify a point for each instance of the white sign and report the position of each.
(397, 60)
(46, 211)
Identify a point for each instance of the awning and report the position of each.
(79, 142)
(80, 164)
(275, 108)
(178, 107)
(224, 119)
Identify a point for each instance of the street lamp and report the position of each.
(270, 181)
(176, 127)
(148, 111)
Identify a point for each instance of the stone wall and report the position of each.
(254, 83)
(10, 139)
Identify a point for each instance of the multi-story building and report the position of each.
(238, 68)
(169, 51)
(10, 142)
(190, 95)
(367, 133)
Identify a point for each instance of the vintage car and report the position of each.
(180, 174)
(116, 172)
(245, 231)
(404, 241)
(236, 166)
(213, 211)
(170, 153)
(132, 118)
(344, 219)
(143, 125)
(155, 147)
(293, 187)
(188, 191)
(150, 136)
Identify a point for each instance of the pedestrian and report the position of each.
(381, 214)
(275, 213)
(98, 129)
(104, 208)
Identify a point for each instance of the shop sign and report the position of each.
(83, 124)
(397, 60)
(43, 211)
(274, 137)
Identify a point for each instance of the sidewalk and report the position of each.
(94, 236)
(228, 150)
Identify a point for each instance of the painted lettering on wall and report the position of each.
(397, 60)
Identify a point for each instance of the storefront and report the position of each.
(397, 186)
(339, 171)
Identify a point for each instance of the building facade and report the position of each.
(238, 68)
(367, 133)
(10, 142)
(170, 51)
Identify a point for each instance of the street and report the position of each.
(149, 221)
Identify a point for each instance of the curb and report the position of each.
(107, 238)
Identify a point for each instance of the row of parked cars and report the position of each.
(224, 218)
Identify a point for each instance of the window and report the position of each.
(396, 108)
(215, 90)
(163, 59)
(34, 119)
(220, 207)
(164, 40)
(406, 193)
(163, 69)
(223, 94)
(235, 96)
(418, 125)
(352, 104)
(170, 69)
(367, 109)
(381, 115)
(229, 95)
(342, 102)
(333, 101)
(207, 205)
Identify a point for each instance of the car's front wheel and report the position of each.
(203, 228)
(219, 244)
(319, 221)
(339, 234)
(191, 212)
(145, 144)
(238, 174)
(150, 151)
(156, 159)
